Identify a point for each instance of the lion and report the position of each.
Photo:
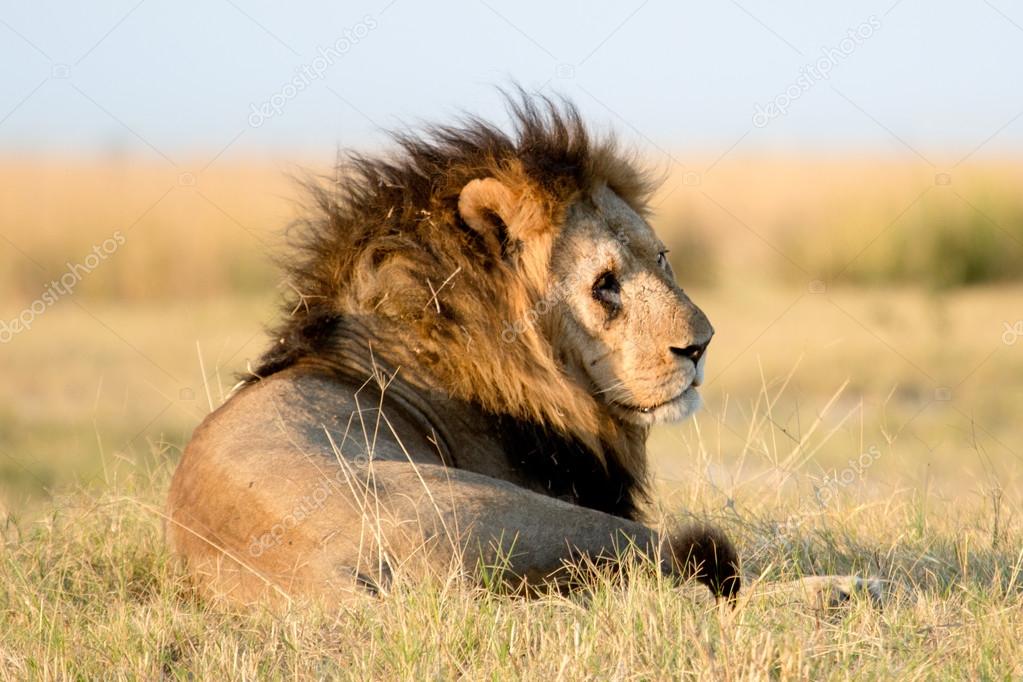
(483, 329)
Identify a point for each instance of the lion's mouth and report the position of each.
(648, 409)
(673, 409)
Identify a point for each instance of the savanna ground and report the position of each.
(862, 415)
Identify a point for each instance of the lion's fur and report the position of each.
(385, 249)
(416, 264)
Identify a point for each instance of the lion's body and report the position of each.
(485, 328)
(281, 478)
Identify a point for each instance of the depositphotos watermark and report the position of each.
(62, 286)
(815, 72)
(829, 487)
(309, 505)
(512, 330)
(307, 74)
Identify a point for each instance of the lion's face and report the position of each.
(624, 327)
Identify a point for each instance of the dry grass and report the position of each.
(911, 471)
(210, 229)
(89, 591)
(210, 232)
(848, 219)
(87, 588)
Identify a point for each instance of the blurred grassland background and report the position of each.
(861, 416)
(859, 252)
(870, 295)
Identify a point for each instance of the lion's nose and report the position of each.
(693, 352)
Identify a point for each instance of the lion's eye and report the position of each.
(608, 290)
(662, 260)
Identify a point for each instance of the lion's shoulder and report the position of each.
(308, 412)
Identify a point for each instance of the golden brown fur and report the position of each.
(483, 331)
(382, 241)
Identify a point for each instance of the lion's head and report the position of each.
(610, 307)
(515, 272)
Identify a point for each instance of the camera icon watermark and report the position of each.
(565, 71)
(942, 179)
(1013, 332)
(817, 286)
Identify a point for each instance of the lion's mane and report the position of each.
(384, 251)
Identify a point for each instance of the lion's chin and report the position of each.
(676, 409)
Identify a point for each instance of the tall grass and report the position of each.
(185, 236)
(89, 591)
(942, 243)
(849, 220)
(99, 397)
(192, 233)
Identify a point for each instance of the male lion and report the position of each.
(484, 329)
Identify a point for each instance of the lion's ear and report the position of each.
(487, 206)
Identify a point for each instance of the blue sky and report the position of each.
(160, 77)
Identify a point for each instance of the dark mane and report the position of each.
(403, 208)
(383, 259)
